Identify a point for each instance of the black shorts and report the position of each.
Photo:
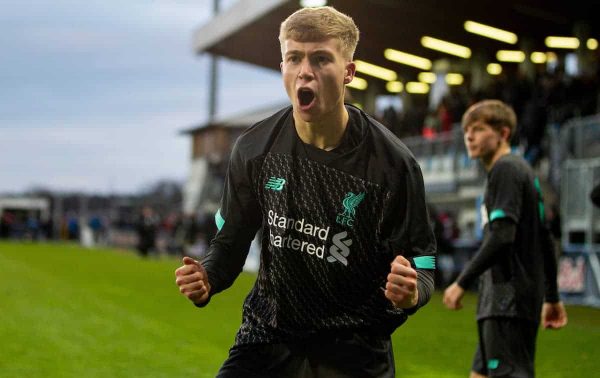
(506, 347)
(354, 355)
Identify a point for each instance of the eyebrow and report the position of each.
(315, 52)
(470, 124)
(293, 52)
(321, 51)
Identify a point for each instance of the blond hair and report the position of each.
(495, 113)
(318, 24)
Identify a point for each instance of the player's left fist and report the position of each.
(401, 286)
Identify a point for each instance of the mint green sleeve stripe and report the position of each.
(497, 214)
(425, 262)
(219, 221)
(493, 363)
(542, 211)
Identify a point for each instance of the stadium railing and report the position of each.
(579, 273)
(444, 161)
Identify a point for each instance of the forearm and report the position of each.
(550, 267)
(425, 286)
(238, 219)
(498, 241)
(226, 257)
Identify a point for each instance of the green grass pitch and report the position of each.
(66, 311)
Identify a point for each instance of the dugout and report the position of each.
(20, 216)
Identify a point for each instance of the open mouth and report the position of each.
(305, 96)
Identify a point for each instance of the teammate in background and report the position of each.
(347, 251)
(516, 261)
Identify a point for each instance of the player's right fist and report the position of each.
(192, 280)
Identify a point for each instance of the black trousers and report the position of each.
(354, 355)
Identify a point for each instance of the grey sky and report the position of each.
(93, 93)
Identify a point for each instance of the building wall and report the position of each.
(214, 142)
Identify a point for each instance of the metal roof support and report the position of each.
(214, 75)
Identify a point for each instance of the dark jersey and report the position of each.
(525, 271)
(331, 224)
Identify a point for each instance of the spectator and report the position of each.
(97, 227)
(147, 227)
(73, 228)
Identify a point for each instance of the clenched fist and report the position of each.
(192, 280)
(401, 286)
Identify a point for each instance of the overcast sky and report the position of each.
(93, 93)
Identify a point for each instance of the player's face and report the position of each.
(481, 140)
(314, 76)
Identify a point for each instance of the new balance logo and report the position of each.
(275, 183)
(339, 250)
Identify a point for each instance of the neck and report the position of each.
(325, 133)
(488, 162)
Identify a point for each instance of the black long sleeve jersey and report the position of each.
(331, 223)
(517, 275)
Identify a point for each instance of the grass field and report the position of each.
(66, 311)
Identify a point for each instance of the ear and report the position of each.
(505, 133)
(350, 71)
(281, 67)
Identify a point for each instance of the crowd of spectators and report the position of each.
(22, 225)
(145, 230)
(549, 98)
(173, 233)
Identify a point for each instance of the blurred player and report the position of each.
(347, 251)
(516, 261)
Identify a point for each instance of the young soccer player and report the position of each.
(347, 251)
(516, 262)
